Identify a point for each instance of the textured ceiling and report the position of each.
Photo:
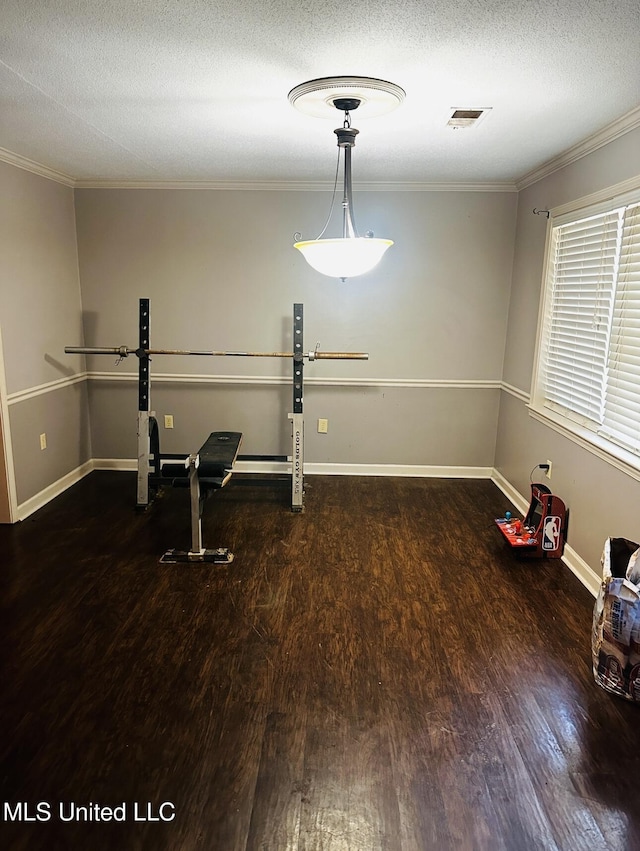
(197, 89)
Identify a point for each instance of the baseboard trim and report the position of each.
(576, 564)
(514, 496)
(39, 500)
(585, 573)
(119, 464)
(425, 471)
(331, 469)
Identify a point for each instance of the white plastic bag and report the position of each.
(615, 641)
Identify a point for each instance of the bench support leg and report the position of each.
(197, 554)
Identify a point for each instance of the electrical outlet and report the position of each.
(548, 471)
(323, 426)
(168, 420)
(43, 441)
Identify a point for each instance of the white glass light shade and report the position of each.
(343, 258)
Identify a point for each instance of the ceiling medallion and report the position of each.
(376, 97)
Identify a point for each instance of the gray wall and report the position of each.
(40, 312)
(603, 500)
(221, 273)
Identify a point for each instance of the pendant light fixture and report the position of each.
(349, 255)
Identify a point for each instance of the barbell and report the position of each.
(124, 351)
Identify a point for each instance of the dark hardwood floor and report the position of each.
(376, 673)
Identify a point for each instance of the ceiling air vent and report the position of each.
(466, 117)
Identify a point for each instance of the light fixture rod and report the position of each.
(346, 140)
(348, 224)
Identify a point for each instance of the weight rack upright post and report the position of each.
(144, 402)
(297, 417)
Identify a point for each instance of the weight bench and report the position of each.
(203, 473)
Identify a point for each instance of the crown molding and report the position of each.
(244, 186)
(36, 168)
(602, 137)
(292, 186)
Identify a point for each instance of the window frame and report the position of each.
(571, 426)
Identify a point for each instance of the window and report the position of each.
(588, 365)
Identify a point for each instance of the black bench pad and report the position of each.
(217, 457)
(218, 454)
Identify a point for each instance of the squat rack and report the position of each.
(149, 457)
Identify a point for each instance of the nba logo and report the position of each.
(551, 533)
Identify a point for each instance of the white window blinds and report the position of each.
(622, 401)
(578, 319)
(590, 357)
